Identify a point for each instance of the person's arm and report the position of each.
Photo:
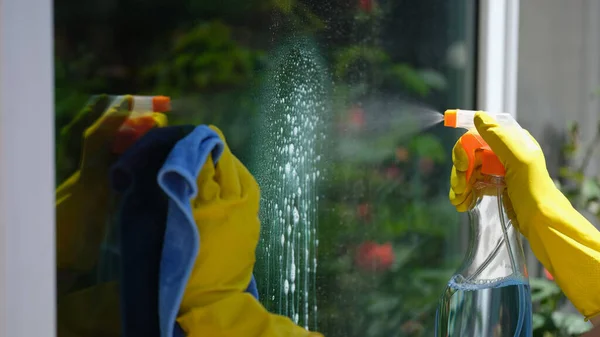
(560, 237)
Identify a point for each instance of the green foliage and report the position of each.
(548, 321)
(583, 191)
(204, 58)
(74, 81)
(428, 145)
(382, 192)
(379, 66)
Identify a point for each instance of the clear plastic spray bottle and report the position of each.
(489, 295)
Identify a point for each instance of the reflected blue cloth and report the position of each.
(252, 288)
(177, 178)
(141, 226)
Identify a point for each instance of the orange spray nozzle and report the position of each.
(478, 150)
(450, 118)
(161, 104)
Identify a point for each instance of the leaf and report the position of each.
(361, 151)
(568, 173)
(284, 5)
(383, 305)
(537, 321)
(376, 328)
(427, 145)
(590, 189)
(350, 55)
(543, 289)
(434, 79)
(410, 78)
(309, 19)
(402, 255)
(570, 323)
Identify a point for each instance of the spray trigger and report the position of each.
(477, 149)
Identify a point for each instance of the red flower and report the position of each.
(366, 5)
(364, 211)
(373, 257)
(402, 154)
(411, 327)
(426, 165)
(357, 117)
(392, 172)
(548, 275)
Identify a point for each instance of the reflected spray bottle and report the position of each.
(489, 294)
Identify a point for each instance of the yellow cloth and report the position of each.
(226, 212)
(82, 200)
(561, 238)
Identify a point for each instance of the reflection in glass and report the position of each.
(330, 104)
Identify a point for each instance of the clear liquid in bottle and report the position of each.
(489, 296)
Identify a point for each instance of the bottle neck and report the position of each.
(495, 251)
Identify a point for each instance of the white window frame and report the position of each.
(27, 267)
(498, 46)
(27, 251)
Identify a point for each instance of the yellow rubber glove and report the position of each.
(562, 239)
(226, 212)
(69, 147)
(82, 201)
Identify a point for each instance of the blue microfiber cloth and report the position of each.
(141, 224)
(177, 178)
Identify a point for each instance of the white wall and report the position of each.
(559, 69)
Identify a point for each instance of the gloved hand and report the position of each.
(82, 200)
(226, 212)
(562, 239)
(69, 148)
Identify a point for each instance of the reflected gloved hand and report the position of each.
(82, 199)
(226, 212)
(561, 238)
(69, 141)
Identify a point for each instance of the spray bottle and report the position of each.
(140, 120)
(489, 294)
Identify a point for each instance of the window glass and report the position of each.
(333, 108)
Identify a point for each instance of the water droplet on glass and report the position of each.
(286, 287)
